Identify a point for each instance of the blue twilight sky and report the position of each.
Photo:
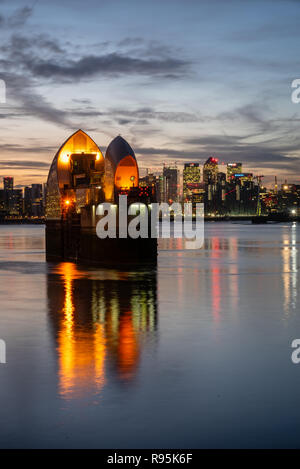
(180, 80)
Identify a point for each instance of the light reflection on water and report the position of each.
(290, 268)
(193, 353)
(99, 316)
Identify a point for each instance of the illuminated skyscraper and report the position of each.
(171, 184)
(160, 188)
(2, 201)
(210, 171)
(232, 169)
(27, 202)
(8, 183)
(191, 179)
(243, 178)
(37, 200)
(16, 207)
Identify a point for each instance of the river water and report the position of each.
(195, 353)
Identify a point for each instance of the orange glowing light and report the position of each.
(126, 174)
(65, 157)
(67, 202)
(97, 156)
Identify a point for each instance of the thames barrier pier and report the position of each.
(79, 180)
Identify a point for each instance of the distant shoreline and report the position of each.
(206, 219)
(23, 222)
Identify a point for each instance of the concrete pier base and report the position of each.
(71, 242)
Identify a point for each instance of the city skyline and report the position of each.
(269, 182)
(158, 87)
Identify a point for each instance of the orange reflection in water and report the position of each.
(81, 352)
(128, 349)
(98, 320)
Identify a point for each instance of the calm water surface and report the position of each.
(195, 353)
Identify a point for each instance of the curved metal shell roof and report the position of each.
(78, 132)
(117, 150)
(59, 173)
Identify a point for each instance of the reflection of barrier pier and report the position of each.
(101, 322)
(79, 179)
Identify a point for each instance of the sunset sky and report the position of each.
(180, 80)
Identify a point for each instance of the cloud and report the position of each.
(26, 68)
(18, 18)
(215, 140)
(112, 64)
(28, 52)
(150, 113)
(25, 164)
(125, 121)
(37, 106)
(86, 113)
(255, 114)
(20, 44)
(16, 148)
(131, 41)
(29, 102)
(151, 59)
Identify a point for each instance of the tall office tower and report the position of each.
(16, 207)
(44, 196)
(8, 183)
(238, 192)
(210, 171)
(37, 200)
(171, 184)
(27, 202)
(191, 179)
(2, 201)
(221, 177)
(232, 169)
(160, 188)
(243, 178)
